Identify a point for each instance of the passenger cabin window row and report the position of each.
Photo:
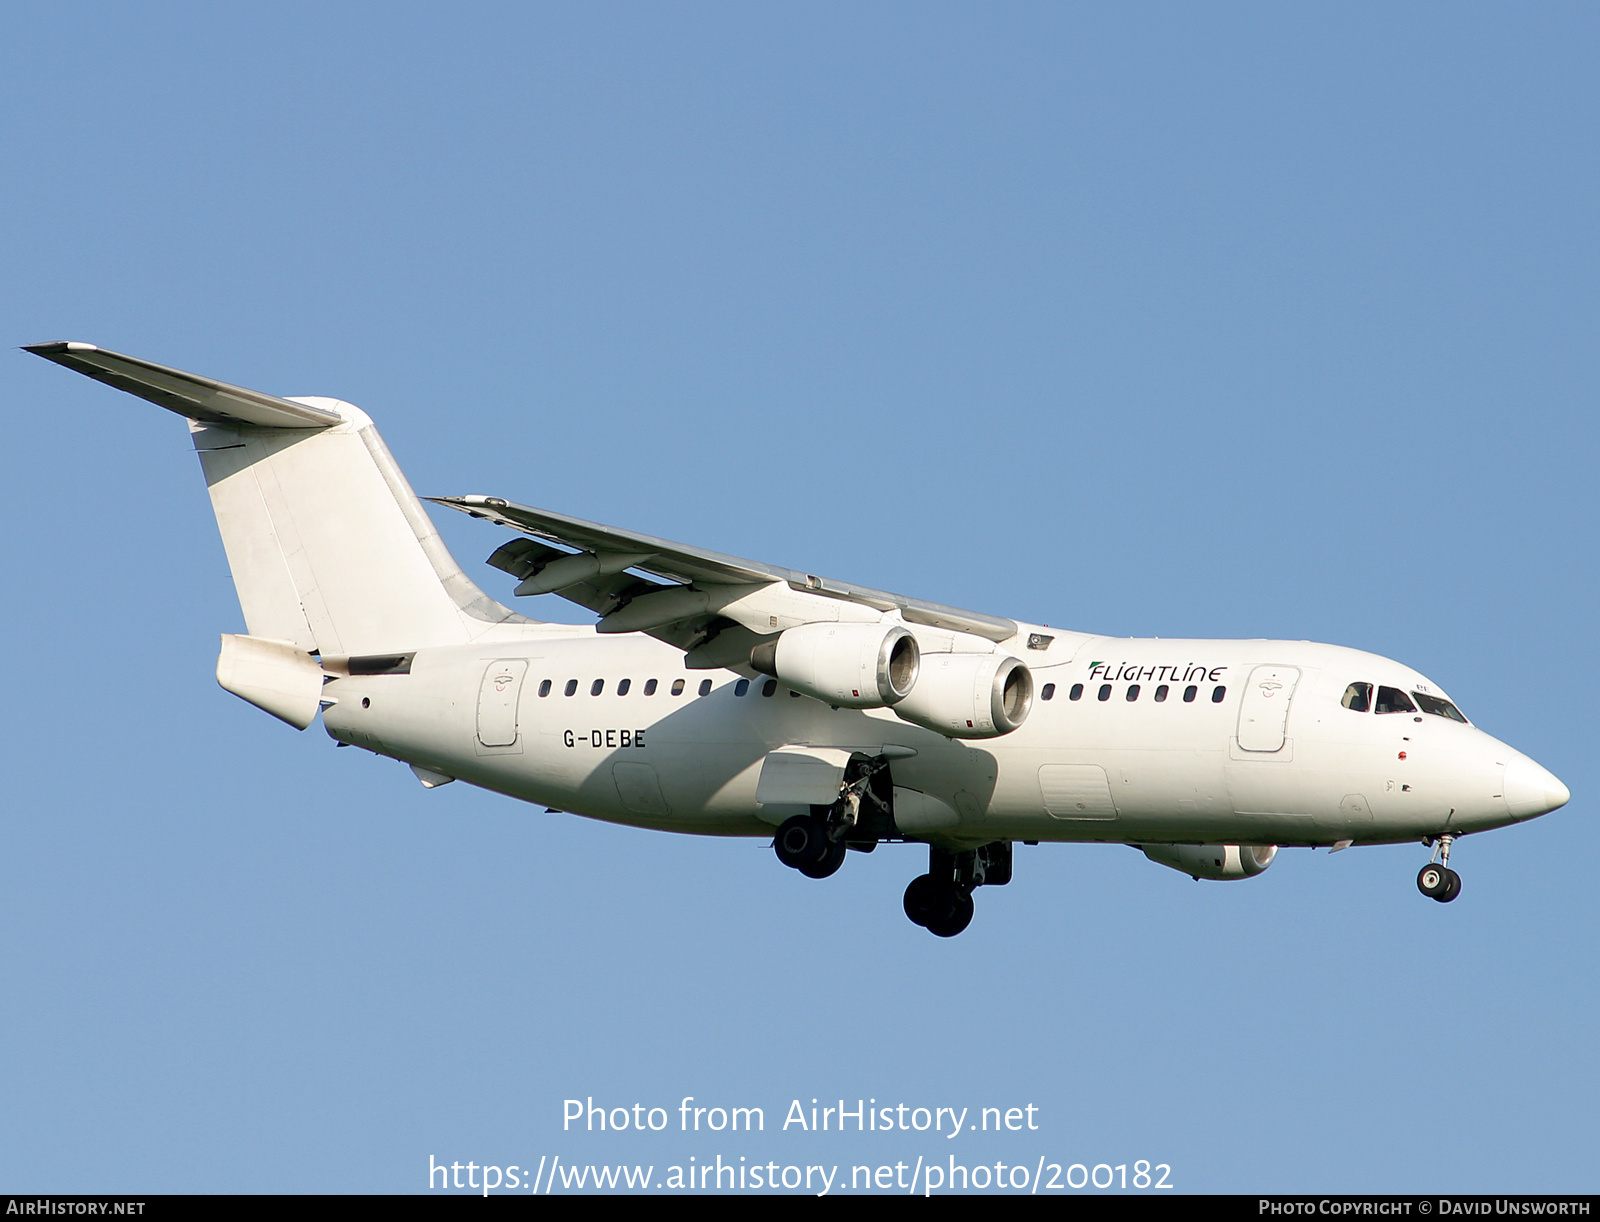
(1218, 694)
(1358, 698)
(624, 686)
(769, 688)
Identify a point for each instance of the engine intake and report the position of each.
(1221, 862)
(969, 695)
(857, 666)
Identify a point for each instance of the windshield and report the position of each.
(1439, 708)
(1393, 700)
(1359, 698)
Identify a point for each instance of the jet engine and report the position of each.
(969, 695)
(1221, 862)
(858, 666)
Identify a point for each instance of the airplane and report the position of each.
(727, 697)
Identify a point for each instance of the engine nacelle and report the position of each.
(857, 666)
(1221, 862)
(969, 695)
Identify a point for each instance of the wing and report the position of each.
(715, 607)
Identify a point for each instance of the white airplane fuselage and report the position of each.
(722, 696)
(1175, 769)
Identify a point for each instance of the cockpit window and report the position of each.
(1393, 700)
(1358, 698)
(1439, 708)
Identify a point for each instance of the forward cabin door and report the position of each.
(1264, 711)
(497, 702)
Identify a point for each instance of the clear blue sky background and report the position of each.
(1225, 320)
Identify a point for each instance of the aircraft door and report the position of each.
(1264, 711)
(497, 702)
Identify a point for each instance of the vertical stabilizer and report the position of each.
(329, 547)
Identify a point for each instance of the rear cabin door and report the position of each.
(1264, 711)
(497, 702)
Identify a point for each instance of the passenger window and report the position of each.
(1217, 693)
(741, 687)
(705, 687)
(1439, 708)
(1393, 700)
(598, 686)
(1161, 693)
(623, 686)
(769, 688)
(1105, 691)
(1189, 693)
(1076, 693)
(677, 687)
(1358, 698)
(1133, 693)
(572, 687)
(649, 687)
(1047, 692)
(544, 688)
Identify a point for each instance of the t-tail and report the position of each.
(331, 552)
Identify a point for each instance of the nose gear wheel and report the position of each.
(1437, 880)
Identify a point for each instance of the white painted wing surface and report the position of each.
(684, 566)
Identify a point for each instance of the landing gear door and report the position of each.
(802, 776)
(497, 702)
(1264, 711)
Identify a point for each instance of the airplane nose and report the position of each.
(1532, 790)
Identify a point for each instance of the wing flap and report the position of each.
(188, 394)
(683, 565)
(600, 594)
(671, 560)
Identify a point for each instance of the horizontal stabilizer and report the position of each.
(187, 394)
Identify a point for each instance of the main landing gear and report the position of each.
(803, 844)
(815, 843)
(941, 900)
(1437, 880)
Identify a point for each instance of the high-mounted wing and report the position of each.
(703, 594)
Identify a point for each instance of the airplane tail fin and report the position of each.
(330, 548)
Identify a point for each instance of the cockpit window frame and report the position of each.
(1449, 711)
(1386, 695)
(1358, 697)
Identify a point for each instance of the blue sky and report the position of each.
(1233, 320)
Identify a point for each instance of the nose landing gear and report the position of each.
(1437, 880)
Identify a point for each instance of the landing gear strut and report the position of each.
(1437, 880)
(815, 843)
(941, 900)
